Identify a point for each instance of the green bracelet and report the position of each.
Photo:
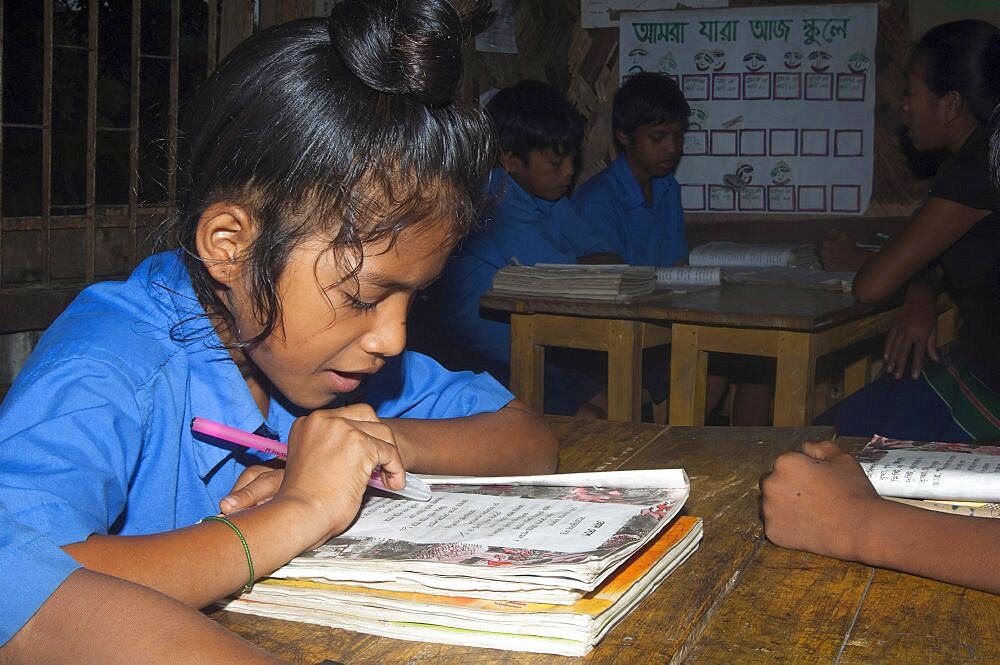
(246, 548)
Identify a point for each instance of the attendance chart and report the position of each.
(782, 103)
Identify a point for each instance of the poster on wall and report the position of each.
(782, 103)
(605, 13)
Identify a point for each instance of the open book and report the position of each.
(955, 477)
(807, 278)
(535, 563)
(722, 253)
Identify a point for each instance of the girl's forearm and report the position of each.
(511, 441)
(94, 618)
(202, 563)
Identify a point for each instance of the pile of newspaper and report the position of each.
(582, 282)
(547, 564)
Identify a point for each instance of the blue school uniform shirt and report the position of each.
(519, 226)
(33, 568)
(95, 433)
(643, 235)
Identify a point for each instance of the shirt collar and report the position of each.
(216, 389)
(518, 205)
(629, 187)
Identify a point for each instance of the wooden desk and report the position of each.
(738, 599)
(796, 326)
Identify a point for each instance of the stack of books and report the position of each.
(546, 564)
(723, 254)
(614, 283)
(805, 278)
(960, 478)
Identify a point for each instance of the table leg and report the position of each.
(856, 375)
(625, 371)
(688, 376)
(527, 362)
(795, 379)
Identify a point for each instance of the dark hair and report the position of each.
(994, 155)
(532, 115)
(341, 127)
(648, 98)
(963, 56)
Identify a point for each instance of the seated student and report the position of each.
(283, 312)
(637, 200)
(820, 501)
(539, 135)
(952, 393)
(48, 591)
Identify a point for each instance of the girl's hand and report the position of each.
(331, 456)
(256, 485)
(913, 332)
(817, 501)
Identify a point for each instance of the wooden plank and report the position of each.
(959, 625)
(572, 332)
(527, 362)
(798, 617)
(688, 376)
(46, 202)
(90, 238)
(743, 305)
(856, 375)
(624, 342)
(795, 379)
(236, 24)
(32, 309)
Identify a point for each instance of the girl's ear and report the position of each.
(224, 234)
(622, 137)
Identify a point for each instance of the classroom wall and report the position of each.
(584, 64)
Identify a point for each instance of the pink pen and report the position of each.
(415, 489)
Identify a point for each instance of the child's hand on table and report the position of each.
(816, 501)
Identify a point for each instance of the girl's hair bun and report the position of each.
(408, 47)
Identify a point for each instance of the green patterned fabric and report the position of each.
(974, 406)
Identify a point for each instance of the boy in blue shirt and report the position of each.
(539, 135)
(636, 198)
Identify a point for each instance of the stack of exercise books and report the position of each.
(805, 278)
(546, 564)
(723, 254)
(715, 263)
(614, 283)
(962, 478)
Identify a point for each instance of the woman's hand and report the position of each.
(331, 456)
(817, 501)
(913, 333)
(837, 252)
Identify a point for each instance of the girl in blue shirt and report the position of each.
(329, 173)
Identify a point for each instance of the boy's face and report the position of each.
(654, 150)
(547, 174)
